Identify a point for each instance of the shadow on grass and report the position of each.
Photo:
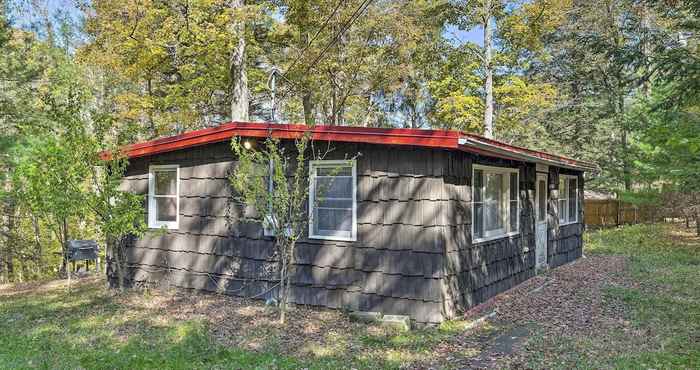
(95, 328)
(88, 329)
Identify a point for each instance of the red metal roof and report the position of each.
(453, 140)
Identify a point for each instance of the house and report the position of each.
(432, 222)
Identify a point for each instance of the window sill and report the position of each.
(495, 237)
(569, 223)
(163, 227)
(333, 238)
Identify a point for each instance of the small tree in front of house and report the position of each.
(274, 180)
(118, 214)
(275, 183)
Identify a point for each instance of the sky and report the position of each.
(24, 18)
(459, 37)
(20, 10)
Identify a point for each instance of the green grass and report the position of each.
(52, 330)
(93, 329)
(664, 261)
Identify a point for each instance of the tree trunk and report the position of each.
(626, 168)
(309, 117)
(488, 70)
(9, 231)
(697, 223)
(64, 246)
(151, 121)
(114, 247)
(334, 101)
(645, 46)
(38, 252)
(237, 68)
(284, 289)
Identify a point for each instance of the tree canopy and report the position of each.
(611, 81)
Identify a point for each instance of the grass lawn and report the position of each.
(93, 328)
(634, 302)
(664, 261)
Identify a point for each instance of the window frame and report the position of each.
(153, 222)
(566, 179)
(506, 199)
(313, 166)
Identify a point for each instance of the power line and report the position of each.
(346, 25)
(340, 33)
(308, 45)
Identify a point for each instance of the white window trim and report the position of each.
(153, 223)
(567, 222)
(501, 170)
(313, 165)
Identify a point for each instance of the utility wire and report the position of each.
(346, 25)
(308, 45)
(340, 33)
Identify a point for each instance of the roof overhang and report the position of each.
(442, 139)
(499, 149)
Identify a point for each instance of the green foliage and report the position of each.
(457, 83)
(647, 197)
(281, 208)
(49, 149)
(169, 60)
(47, 179)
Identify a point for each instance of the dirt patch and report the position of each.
(568, 303)
(571, 299)
(505, 344)
(45, 286)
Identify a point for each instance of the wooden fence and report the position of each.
(613, 212)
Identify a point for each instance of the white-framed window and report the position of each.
(568, 199)
(332, 200)
(163, 196)
(495, 202)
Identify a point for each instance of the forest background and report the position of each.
(615, 82)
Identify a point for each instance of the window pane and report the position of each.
(478, 185)
(333, 201)
(562, 210)
(492, 216)
(493, 202)
(572, 200)
(334, 171)
(166, 209)
(166, 182)
(333, 187)
(513, 216)
(562, 188)
(513, 186)
(333, 222)
(478, 220)
(542, 200)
